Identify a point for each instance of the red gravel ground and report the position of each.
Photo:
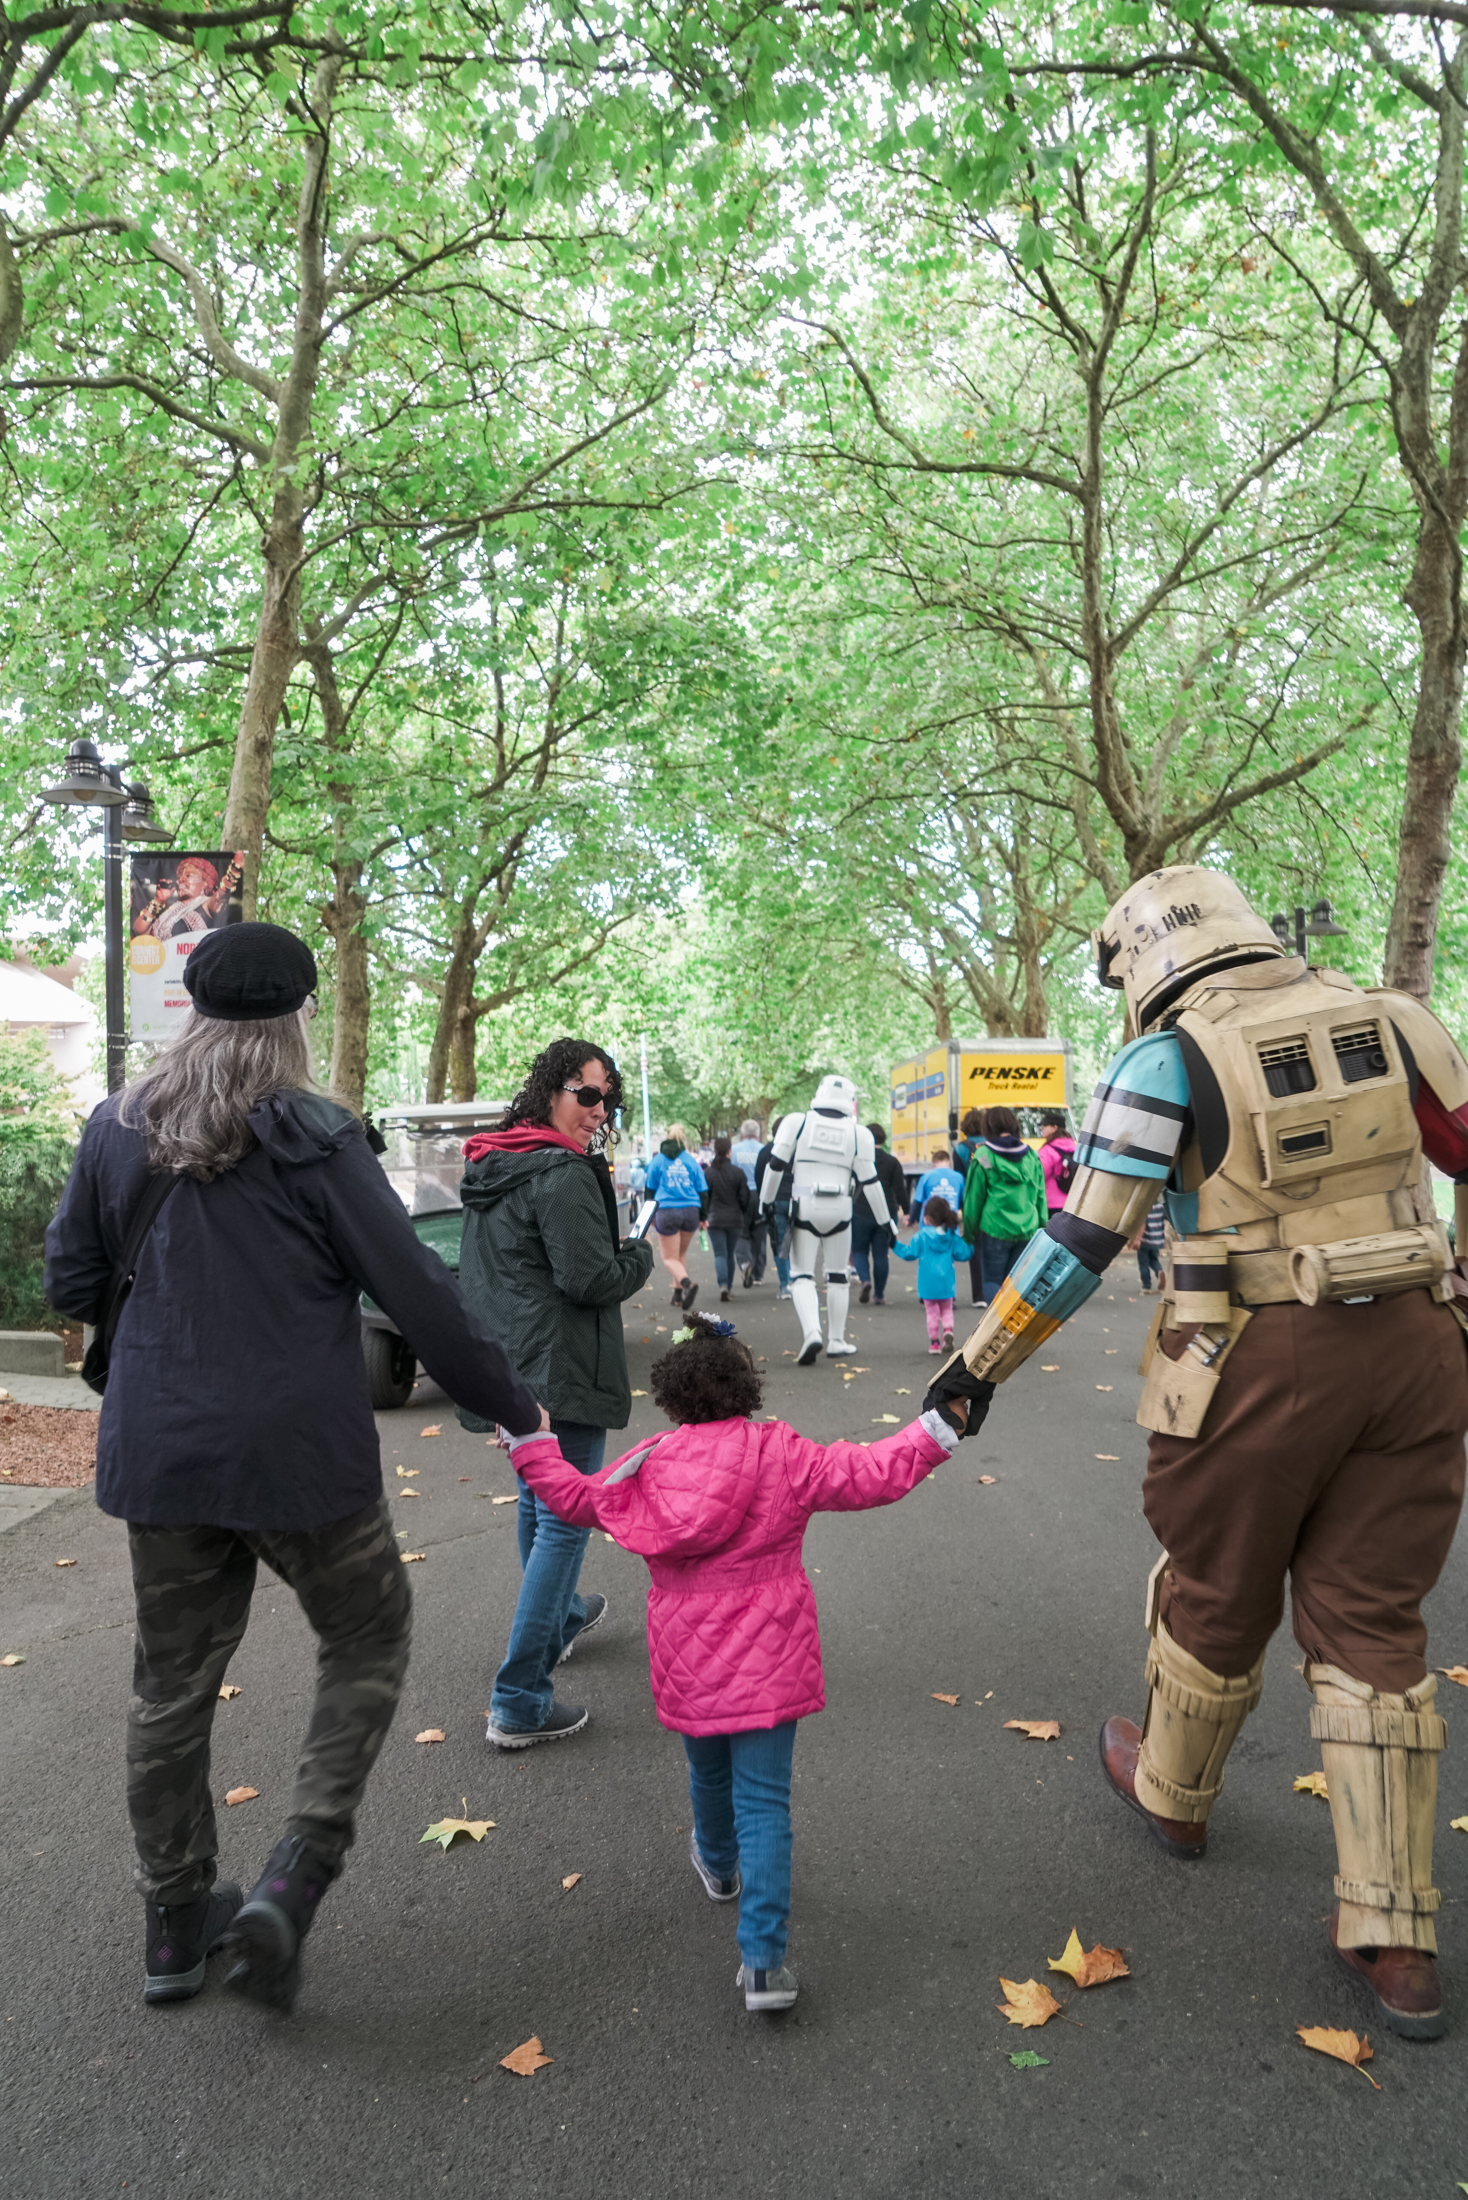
(47, 1447)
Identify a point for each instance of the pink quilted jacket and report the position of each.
(718, 1510)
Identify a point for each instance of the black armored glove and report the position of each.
(955, 1381)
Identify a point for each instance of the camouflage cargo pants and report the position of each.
(193, 1589)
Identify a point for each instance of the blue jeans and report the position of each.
(777, 1221)
(1149, 1264)
(739, 1785)
(723, 1243)
(996, 1257)
(548, 1612)
(869, 1242)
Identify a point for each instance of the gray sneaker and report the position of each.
(717, 1890)
(596, 1612)
(564, 1719)
(767, 1989)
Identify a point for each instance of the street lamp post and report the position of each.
(1322, 926)
(126, 815)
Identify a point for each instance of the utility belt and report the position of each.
(803, 1214)
(1215, 1288)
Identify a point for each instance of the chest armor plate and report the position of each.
(1318, 1106)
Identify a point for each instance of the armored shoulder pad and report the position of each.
(1134, 1124)
(1435, 1052)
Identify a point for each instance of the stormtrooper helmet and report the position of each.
(1172, 928)
(835, 1096)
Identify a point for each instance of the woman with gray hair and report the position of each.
(236, 1426)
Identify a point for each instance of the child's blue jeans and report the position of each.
(548, 1611)
(739, 1785)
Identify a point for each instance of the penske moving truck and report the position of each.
(932, 1092)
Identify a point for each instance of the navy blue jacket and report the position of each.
(237, 1393)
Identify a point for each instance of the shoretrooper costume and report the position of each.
(1306, 1378)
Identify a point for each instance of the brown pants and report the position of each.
(1332, 1453)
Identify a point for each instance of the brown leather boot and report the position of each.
(1404, 1982)
(1121, 1742)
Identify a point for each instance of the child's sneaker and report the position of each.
(948, 1340)
(717, 1890)
(768, 1989)
(935, 1347)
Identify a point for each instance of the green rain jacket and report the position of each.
(542, 1268)
(1003, 1194)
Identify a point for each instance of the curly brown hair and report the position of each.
(560, 1063)
(706, 1378)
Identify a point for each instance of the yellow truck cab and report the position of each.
(932, 1092)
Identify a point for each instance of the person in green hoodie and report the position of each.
(543, 1267)
(1003, 1198)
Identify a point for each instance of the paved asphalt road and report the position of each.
(934, 1851)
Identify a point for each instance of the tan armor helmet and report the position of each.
(1172, 928)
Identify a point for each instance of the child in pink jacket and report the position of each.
(718, 1508)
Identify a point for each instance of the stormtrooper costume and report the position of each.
(829, 1158)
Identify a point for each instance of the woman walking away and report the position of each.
(236, 1426)
(730, 1200)
(1148, 1243)
(1057, 1158)
(935, 1248)
(777, 1218)
(718, 1508)
(1003, 1198)
(542, 1250)
(676, 1182)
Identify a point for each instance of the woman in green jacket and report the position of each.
(1003, 1198)
(543, 1266)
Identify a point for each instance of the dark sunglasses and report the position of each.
(588, 1096)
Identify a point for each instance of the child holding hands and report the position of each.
(935, 1248)
(718, 1507)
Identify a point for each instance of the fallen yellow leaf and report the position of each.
(1344, 2046)
(526, 2059)
(406, 1474)
(241, 1795)
(571, 1879)
(1458, 1825)
(1038, 1730)
(902, 1393)
(639, 1393)
(1103, 1386)
(434, 1428)
(411, 1558)
(943, 1699)
(63, 1561)
(430, 1734)
(1089, 1966)
(892, 1417)
(12, 1657)
(504, 1501)
(1458, 1673)
(1313, 1783)
(1029, 2004)
(986, 1481)
(447, 1831)
(410, 1493)
(229, 1692)
(1108, 1455)
(1050, 1367)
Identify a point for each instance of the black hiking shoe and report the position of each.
(180, 1936)
(267, 1933)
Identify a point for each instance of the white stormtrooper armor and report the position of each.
(830, 1158)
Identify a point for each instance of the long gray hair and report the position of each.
(192, 1102)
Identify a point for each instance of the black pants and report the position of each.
(193, 1588)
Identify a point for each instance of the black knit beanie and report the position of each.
(249, 973)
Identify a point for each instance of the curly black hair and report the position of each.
(560, 1064)
(707, 1378)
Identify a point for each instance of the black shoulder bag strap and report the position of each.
(145, 1214)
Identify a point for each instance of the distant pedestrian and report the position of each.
(963, 1154)
(970, 1130)
(1004, 1198)
(776, 1218)
(543, 1250)
(1148, 1244)
(718, 1507)
(935, 1248)
(730, 1199)
(236, 1427)
(871, 1241)
(636, 1184)
(677, 1184)
(1057, 1158)
(749, 1254)
(940, 1180)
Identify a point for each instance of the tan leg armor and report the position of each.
(1193, 1720)
(1380, 1757)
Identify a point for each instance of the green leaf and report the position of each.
(1027, 2059)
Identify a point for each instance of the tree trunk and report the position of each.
(1434, 760)
(344, 913)
(455, 1010)
(277, 638)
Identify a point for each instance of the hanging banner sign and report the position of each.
(176, 897)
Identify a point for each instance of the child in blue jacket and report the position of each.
(935, 1248)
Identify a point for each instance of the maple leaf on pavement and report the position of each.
(1089, 1966)
(1344, 2046)
(1459, 1825)
(241, 1795)
(228, 1692)
(1029, 2004)
(1027, 2059)
(526, 2059)
(1313, 1783)
(942, 1699)
(571, 1879)
(448, 1830)
(1038, 1730)
(430, 1734)
(434, 1428)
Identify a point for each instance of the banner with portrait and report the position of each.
(177, 896)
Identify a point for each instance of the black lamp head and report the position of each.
(86, 785)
